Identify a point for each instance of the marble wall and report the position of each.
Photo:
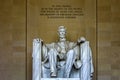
(12, 40)
(108, 32)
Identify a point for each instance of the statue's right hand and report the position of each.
(41, 40)
(38, 40)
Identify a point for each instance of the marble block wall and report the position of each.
(108, 25)
(12, 40)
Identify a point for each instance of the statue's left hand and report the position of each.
(81, 39)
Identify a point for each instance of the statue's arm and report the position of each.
(73, 45)
(44, 52)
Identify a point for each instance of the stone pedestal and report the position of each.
(60, 78)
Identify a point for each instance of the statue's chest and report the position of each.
(63, 45)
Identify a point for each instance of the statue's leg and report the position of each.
(52, 61)
(69, 63)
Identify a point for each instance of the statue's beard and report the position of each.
(62, 39)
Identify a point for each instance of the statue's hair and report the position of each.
(61, 28)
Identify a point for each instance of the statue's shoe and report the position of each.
(53, 74)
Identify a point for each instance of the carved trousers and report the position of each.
(70, 59)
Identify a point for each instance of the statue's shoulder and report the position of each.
(50, 44)
(70, 42)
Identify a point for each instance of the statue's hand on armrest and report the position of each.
(37, 40)
(41, 40)
(81, 40)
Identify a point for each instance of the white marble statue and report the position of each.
(62, 59)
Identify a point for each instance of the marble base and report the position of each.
(60, 78)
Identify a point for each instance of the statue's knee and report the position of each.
(52, 52)
(71, 52)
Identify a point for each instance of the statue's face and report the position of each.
(62, 33)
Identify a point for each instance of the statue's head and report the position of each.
(62, 32)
